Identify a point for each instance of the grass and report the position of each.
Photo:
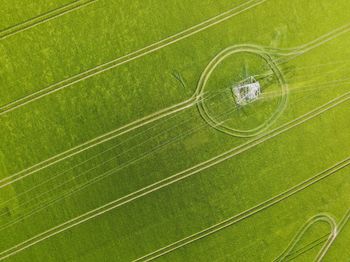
(103, 31)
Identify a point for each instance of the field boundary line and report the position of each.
(43, 18)
(129, 57)
(170, 180)
(247, 213)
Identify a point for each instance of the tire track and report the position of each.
(97, 141)
(39, 207)
(330, 242)
(137, 123)
(130, 126)
(247, 213)
(129, 57)
(318, 218)
(162, 113)
(185, 174)
(43, 18)
(262, 53)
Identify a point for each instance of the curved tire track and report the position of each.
(318, 218)
(247, 213)
(187, 173)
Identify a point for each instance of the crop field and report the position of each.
(173, 130)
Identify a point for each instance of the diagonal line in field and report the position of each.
(113, 171)
(96, 141)
(172, 179)
(137, 123)
(43, 18)
(247, 213)
(142, 121)
(129, 57)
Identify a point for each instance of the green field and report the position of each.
(121, 138)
